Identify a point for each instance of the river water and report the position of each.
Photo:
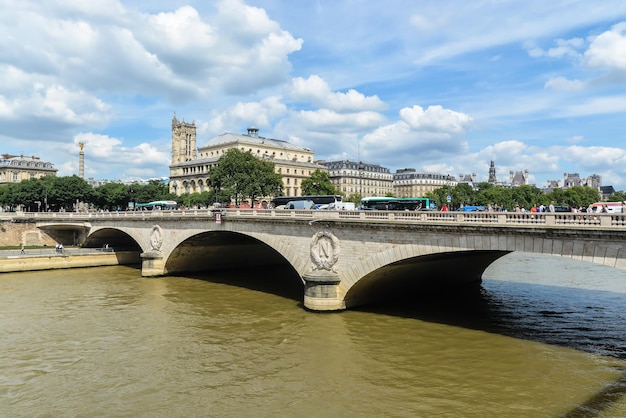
(542, 337)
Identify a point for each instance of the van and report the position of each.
(341, 206)
(611, 207)
(300, 204)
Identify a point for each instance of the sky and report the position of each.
(441, 87)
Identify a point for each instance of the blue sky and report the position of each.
(441, 86)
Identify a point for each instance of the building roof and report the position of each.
(229, 138)
(30, 161)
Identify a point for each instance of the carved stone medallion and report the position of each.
(156, 238)
(324, 251)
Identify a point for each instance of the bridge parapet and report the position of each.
(579, 220)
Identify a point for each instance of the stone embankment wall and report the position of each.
(62, 261)
(18, 233)
(14, 232)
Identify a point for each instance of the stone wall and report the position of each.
(15, 233)
(62, 261)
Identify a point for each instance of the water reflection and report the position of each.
(106, 342)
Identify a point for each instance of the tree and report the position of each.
(240, 175)
(318, 184)
(66, 191)
(463, 193)
(581, 196)
(354, 198)
(111, 196)
(153, 190)
(619, 196)
(440, 195)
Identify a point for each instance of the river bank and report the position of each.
(50, 258)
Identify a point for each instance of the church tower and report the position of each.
(492, 173)
(183, 141)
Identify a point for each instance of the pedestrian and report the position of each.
(551, 207)
(22, 249)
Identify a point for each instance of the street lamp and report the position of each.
(361, 168)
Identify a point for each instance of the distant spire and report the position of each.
(492, 173)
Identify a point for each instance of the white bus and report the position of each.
(611, 207)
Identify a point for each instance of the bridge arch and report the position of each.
(220, 250)
(410, 277)
(113, 238)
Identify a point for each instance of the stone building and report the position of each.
(492, 173)
(352, 177)
(469, 179)
(15, 168)
(408, 182)
(574, 179)
(189, 171)
(518, 178)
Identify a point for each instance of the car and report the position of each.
(562, 209)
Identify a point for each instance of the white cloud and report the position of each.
(41, 103)
(172, 53)
(316, 91)
(595, 157)
(104, 153)
(419, 137)
(563, 84)
(435, 118)
(608, 50)
(260, 114)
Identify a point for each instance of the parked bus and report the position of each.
(606, 207)
(157, 205)
(398, 203)
(318, 200)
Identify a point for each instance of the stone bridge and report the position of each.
(347, 258)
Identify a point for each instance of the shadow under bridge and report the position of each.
(411, 277)
(223, 250)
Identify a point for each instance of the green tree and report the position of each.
(28, 194)
(318, 184)
(153, 190)
(496, 197)
(354, 198)
(462, 194)
(110, 196)
(240, 175)
(619, 196)
(5, 196)
(66, 191)
(581, 196)
(440, 195)
(526, 195)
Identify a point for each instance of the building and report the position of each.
(574, 179)
(408, 182)
(15, 168)
(492, 173)
(189, 171)
(518, 178)
(469, 179)
(365, 179)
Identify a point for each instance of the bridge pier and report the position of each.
(320, 291)
(152, 264)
